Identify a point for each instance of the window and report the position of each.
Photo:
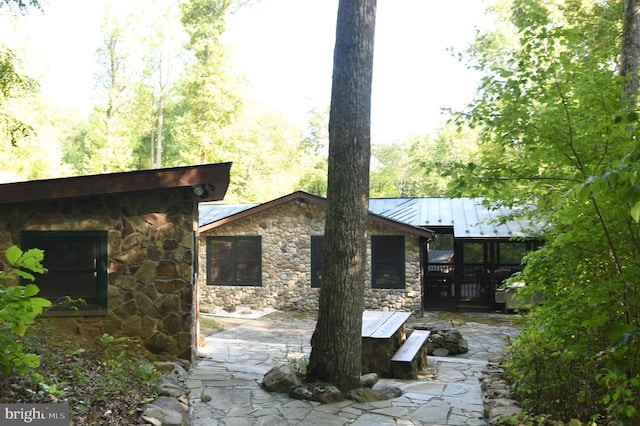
(387, 261)
(473, 253)
(317, 242)
(511, 253)
(76, 263)
(234, 261)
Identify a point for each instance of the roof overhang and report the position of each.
(211, 180)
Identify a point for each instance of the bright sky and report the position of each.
(285, 47)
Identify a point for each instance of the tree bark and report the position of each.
(336, 342)
(630, 55)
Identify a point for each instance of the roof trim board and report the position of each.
(214, 177)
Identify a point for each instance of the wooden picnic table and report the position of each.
(382, 335)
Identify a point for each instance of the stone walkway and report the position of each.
(225, 381)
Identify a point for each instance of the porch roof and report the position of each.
(469, 217)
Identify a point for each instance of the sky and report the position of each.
(285, 48)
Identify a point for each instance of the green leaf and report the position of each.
(635, 211)
(22, 274)
(31, 290)
(13, 253)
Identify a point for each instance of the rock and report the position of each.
(498, 402)
(500, 411)
(319, 392)
(390, 391)
(448, 339)
(172, 384)
(366, 395)
(369, 380)
(166, 411)
(280, 379)
(441, 352)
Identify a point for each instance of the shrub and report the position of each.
(19, 307)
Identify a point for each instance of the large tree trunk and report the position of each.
(336, 343)
(630, 54)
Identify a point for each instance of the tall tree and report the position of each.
(209, 92)
(630, 52)
(336, 342)
(557, 130)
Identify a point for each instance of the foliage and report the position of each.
(420, 167)
(105, 380)
(296, 359)
(20, 4)
(12, 85)
(555, 131)
(19, 307)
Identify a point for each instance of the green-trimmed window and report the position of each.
(76, 263)
(234, 260)
(387, 261)
(317, 242)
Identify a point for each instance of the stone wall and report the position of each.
(286, 232)
(150, 267)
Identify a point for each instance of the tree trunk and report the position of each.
(629, 57)
(336, 342)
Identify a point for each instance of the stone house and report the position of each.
(269, 255)
(122, 246)
(423, 253)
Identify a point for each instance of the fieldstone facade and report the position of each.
(151, 238)
(286, 231)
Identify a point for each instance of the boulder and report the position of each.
(379, 393)
(441, 352)
(280, 379)
(390, 391)
(369, 380)
(448, 339)
(166, 411)
(319, 392)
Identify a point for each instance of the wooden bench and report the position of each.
(411, 357)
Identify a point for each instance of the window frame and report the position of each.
(234, 239)
(28, 240)
(398, 262)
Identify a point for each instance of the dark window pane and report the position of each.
(247, 249)
(222, 272)
(512, 253)
(248, 272)
(387, 255)
(473, 253)
(221, 250)
(234, 260)
(317, 243)
(76, 263)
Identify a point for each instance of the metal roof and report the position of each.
(214, 215)
(468, 217)
(209, 213)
